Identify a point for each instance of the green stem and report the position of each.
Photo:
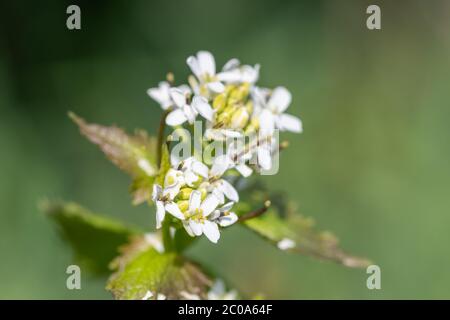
(162, 126)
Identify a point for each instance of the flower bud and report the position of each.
(183, 205)
(185, 193)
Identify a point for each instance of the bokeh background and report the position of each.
(372, 164)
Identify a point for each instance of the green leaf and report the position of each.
(284, 227)
(95, 239)
(135, 154)
(141, 268)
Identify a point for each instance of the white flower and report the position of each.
(233, 72)
(164, 203)
(161, 94)
(218, 292)
(271, 112)
(236, 156)
(185, 111)
(197, 222)
(203, 66)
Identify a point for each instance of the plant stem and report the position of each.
(162, 126)
(255, 213)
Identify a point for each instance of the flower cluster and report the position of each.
(231, 107)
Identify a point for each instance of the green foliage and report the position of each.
(95, 239)
(135, 154)
(141, 268)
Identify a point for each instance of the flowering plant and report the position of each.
(216, 134)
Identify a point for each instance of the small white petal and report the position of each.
(188, 229)
(228, 220)
(227, 206)
(176, 117)
(192, 62)
(280, 99)
(216, 86)
(189, 113)
(286, 244)
(195, 227)
(266, 123)
(220, 165)
(200, 168)
(264, 158)
(209, 204)
(201, 105)
(231, 64)
(211, 231)
(228, 190)
(194, 200)
(219, 195)
(161, 296)
(157, 191)
(287, 122)
(231, 76)
(244, 170)
(206, 63)
(160, 213)
(174, 210)
(190, 177)
(178, 97)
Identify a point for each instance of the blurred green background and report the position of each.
(372, 164)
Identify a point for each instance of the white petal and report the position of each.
(188, 229)
(245, 170)
(227, 206)
(250, 74)
(264, 158)
(231, 76)
(192, 62)
(200, 168)
(195, 227)
(231, 64)
(190, 177)
(219, 195)
(266, 123)
(201, 105)
(206, 63)
(157, 191)
(280, 99)
(231, 133)
(220, 165)
(288, 122)
(189, 113)
(216, 86)
(194, 200)
(178, 97)
(175, 118)
(160, 213)
(228, 220)
(209, 204)
(211, 231)
(160, 94)
(229, 191)
(174, 210)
